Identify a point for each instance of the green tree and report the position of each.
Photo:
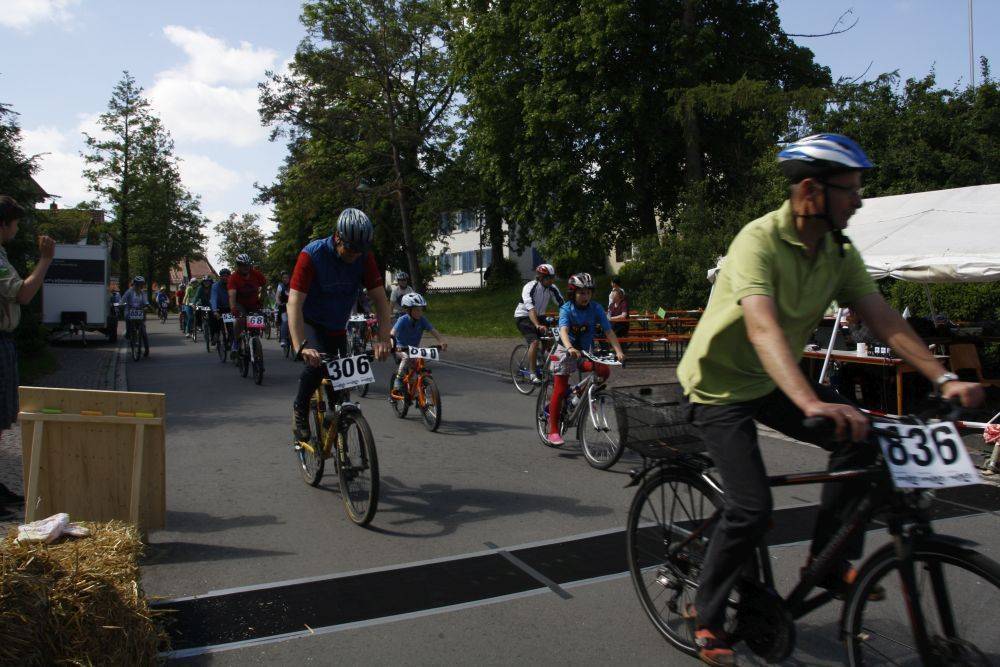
(368, 101)
(112, 158)
(242, 234)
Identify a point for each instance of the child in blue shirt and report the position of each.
(408, 331)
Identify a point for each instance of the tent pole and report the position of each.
(930, 301)
(829, 347)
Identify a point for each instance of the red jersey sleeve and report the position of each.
(372, 277)
(303, 274)
(259, 278)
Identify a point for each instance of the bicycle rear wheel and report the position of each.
(668, 506)
(542, 413)
(312, 463)
(358, 469)
(206, 330)
(258, 359)
(598, 431)
(244, 357)
(222, 343)
(431, 409)
(519, 370)
(958, 591)
(399, 405)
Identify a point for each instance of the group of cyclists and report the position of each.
(781, 274)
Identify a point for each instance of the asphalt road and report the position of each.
(239, 515)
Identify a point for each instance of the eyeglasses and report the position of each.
(858, 192)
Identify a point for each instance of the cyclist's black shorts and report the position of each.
(527, 329)
(323, 340)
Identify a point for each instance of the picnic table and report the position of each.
(899, 366)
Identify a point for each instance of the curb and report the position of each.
(480, 369)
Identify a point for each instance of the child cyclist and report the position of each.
(408, 331)
(578, 318)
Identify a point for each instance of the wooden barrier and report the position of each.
(96, 467)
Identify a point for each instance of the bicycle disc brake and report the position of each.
(763, 622)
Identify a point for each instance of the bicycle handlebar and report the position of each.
(949, 410)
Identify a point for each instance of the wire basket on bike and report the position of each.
(654, 420)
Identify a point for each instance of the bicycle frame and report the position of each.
(414, 382)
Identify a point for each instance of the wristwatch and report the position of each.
(944, 379)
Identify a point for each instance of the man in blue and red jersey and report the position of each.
(323, 290)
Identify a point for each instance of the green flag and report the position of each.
(661, 313)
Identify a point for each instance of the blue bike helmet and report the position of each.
(822, 155)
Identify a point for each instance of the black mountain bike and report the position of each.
(937, 589)
(250, 352)
(224, 341)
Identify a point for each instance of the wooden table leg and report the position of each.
(133, 508)
(31, 495)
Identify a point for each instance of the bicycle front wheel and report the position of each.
(519, 372)
(542, 413)
(357, 467)
(222, 344)
(431, 407)
(312, 463)
(206, 330)
(598, 431)
(958, 591)
(244, 358)
(668, 506)
(399, 405)
(135, 343)
(258, 359)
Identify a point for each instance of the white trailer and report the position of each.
(75, 294)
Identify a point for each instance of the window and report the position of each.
(484, 258)
(446, 223)
(456, 262)
(468, 261)
(467, 221)
(444, 263)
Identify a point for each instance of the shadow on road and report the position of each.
(434, 510)
(202, 522)
(162, 553)
(467, 428)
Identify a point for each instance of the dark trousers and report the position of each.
(731, 437)
(318, 339)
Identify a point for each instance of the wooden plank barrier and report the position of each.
(107, 463)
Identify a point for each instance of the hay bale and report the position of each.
(77, 600)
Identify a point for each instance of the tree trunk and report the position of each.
(404, 218)
(123, 266)
(494, 227)
(694, 172)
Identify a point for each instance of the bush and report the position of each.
(503, 273)
(964, 302)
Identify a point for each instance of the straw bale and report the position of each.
(76, 601)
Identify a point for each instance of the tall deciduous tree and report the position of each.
(112, 157)
(371, 87)
(242, 234)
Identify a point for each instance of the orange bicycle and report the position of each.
(419, 387)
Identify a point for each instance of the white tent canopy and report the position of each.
(943, 236)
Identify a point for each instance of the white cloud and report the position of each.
(210, 60)
(203, 175)
(60, 165)
(21, 14)
(212, 96)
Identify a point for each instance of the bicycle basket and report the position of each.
(653, 420)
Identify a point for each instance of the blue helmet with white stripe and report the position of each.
(822, 155)
(355, 229)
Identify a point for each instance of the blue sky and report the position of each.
(199, 63)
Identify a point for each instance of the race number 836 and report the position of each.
(923, 447)
(926, 455)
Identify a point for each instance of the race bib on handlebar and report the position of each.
(348, 372)
(930, 456)
(430, 353)
(135, 314)
(228, 318)
(255, 322)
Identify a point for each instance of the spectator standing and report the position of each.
(399, 290)
(618, 312)
(14, 293)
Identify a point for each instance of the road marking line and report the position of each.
(530, 571)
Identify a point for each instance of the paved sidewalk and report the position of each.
(78, 367)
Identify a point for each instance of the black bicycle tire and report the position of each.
(583, 421)
(399, 406)
(258, 359)
(434, 422)
(221, 346)
(514, 368)
(287, 349)
(652, 482)
(884, 561)
(244, 357)
(206, 331)
(314, 474)
(135, 343)
(540, 404)
(368, 440)
(363, 390)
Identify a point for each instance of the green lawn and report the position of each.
(488, 312)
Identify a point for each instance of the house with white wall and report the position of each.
(464, 253)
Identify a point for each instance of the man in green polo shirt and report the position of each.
(780, 275)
